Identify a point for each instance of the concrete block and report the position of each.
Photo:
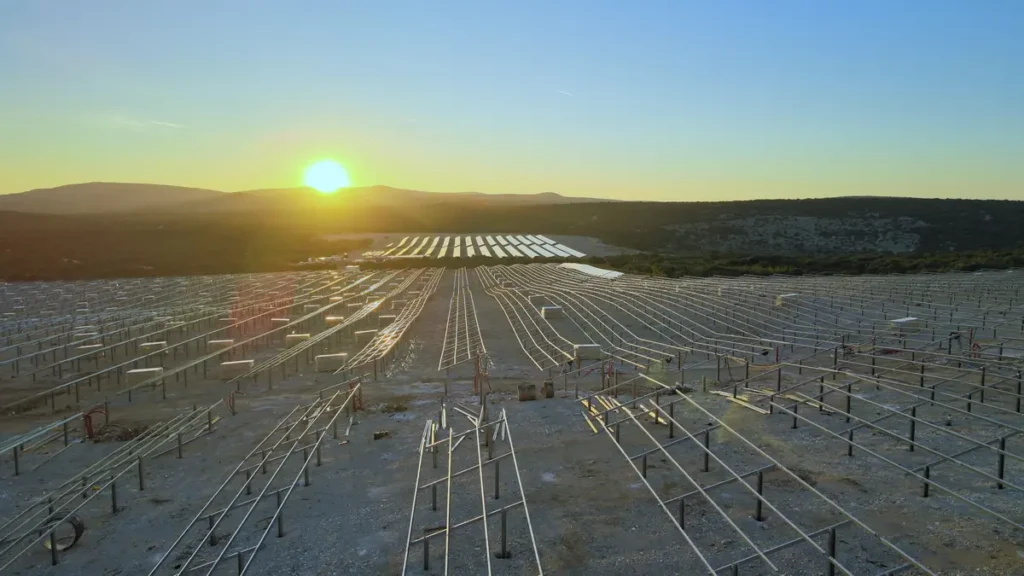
(548, 312)
(294, 339)
(365, 335)
(332, 320)
(330, 362)
(152, 346)
(235, 368)
(587, 351)
(217, 345)
(140, 375)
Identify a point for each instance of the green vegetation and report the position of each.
(939, 225)
(49, 248)
(949, 235)
(674, 266)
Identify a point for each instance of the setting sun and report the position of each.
(326, 176)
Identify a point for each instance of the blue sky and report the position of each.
(647, 100)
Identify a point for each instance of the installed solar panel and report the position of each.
(523, 240)
(502, 240)
(545, 239)
(420, 247)
(490, 240)
(479, 240)
(499, 252)
(447, 239)
(396, 248)
(470, 251)
(443, 252)
(485, 251)
(458, 252)
(512, 251)
(458, 240)
(527, 252)
(513, 240)
(408, 247)
(540, 250)
(572, 252)
(432, 246)
(556, 251)
(534, 239)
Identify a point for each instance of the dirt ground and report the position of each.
(591, 511)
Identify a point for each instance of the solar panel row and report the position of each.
(568, 250)
(540, 250)
(432, 246)
(500, 246)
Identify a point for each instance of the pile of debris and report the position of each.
(119, 432)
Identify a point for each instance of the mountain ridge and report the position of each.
(90, 198)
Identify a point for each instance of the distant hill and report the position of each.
(120, 198)
(212, 232)
(103, 197)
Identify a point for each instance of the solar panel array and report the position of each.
(514, 246)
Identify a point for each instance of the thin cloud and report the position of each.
(127, 122)
(569, 94)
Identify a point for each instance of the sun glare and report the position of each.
(326, 176)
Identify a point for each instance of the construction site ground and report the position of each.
(591, 513)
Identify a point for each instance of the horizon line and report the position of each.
(472, 192)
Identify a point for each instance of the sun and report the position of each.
(326, 176)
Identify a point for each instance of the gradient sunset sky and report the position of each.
(667, 100)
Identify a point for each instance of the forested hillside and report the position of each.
(840, 235)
